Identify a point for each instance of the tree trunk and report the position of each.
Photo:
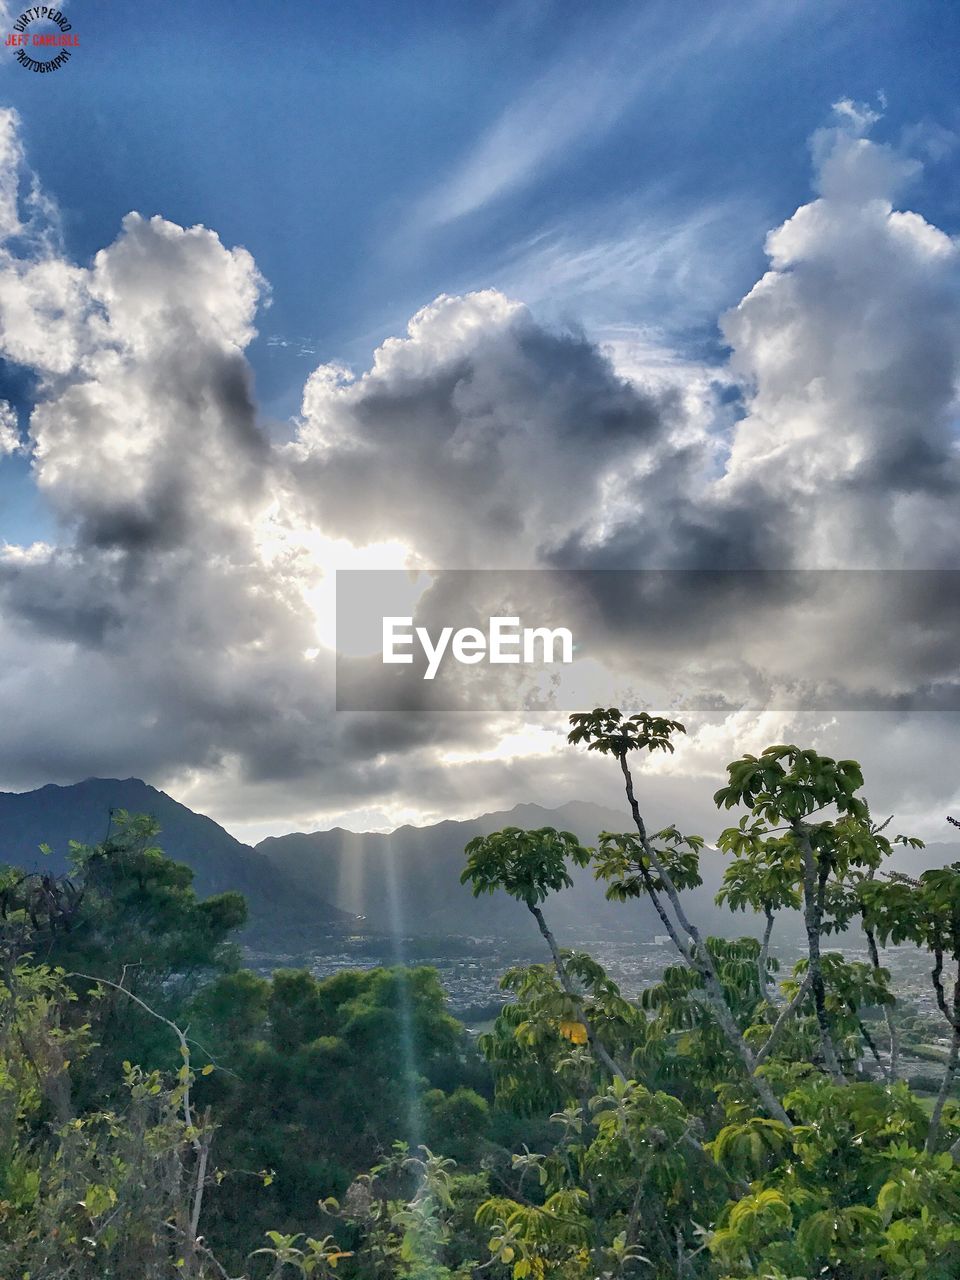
(764, 957)
(599, 1050)
(699, 957)
(949, 1075)
(893, 1034)
(812, 919)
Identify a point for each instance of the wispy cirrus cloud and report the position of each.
(665, 268)
(576, 98)
(582, 96)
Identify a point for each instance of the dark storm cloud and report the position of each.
(476, 439)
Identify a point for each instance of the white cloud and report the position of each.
(180, 627)
(11, 161)
(850, 350)
(153, 432)
(437, 443)
(9, 429)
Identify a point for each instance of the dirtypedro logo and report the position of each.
(40, 39)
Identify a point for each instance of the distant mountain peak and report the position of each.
(57, 813)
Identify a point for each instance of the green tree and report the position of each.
(926, 911)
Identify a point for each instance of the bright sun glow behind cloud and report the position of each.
(314, 558)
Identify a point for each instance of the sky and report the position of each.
(467, 286)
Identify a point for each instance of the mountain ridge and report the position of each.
(427, 863)
(56, 813)
(424, 864)
(406, 880)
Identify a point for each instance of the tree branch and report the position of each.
(785, 1015)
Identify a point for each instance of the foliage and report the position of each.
(736, 1121)
(529, 865)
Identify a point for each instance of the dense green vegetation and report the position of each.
(165, 1113)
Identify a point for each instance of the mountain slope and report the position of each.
(55, 815)
(409, 880)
